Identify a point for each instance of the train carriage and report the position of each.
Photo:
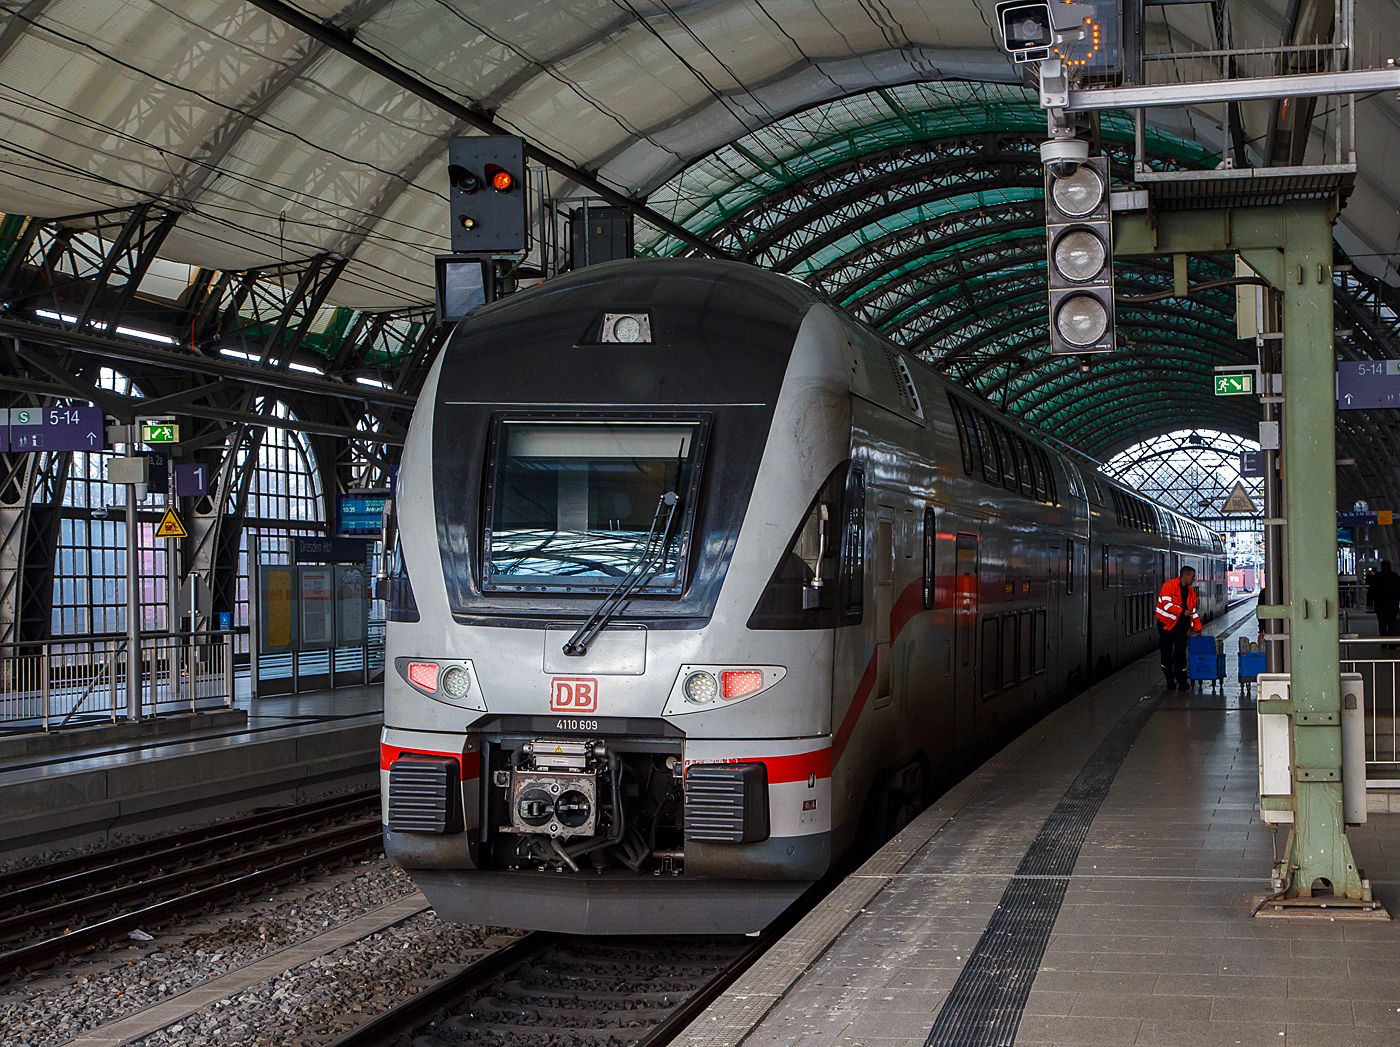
(693, 578)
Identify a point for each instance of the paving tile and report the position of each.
(1263, 1009)
(1139, 1005)
(1078, 1030)
(1164, 1033)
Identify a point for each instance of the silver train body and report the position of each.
(855, 572)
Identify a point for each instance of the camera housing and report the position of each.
(1030, 30)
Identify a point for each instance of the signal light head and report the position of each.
(1081, 320)
(1079, 193)
(462, 179)
(501, 180)
(1080, 255)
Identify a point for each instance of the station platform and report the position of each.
(288, 748)
(1090, 884)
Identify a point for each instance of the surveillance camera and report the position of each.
(99, 512)
(1029, 30)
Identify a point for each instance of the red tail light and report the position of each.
(735, 683)
(423, 674)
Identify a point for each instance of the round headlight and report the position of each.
(627, 329)
(1079, 193)
(1079, 255)
(1081, 319)
(700, 688)
(456, 682)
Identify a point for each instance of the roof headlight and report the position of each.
(700, 688)
(456, 682)
(629, 328)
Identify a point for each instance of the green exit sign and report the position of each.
(1236, 383)
(160, 433)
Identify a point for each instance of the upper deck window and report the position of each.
(576, 505)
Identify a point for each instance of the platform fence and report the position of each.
(1378, 663)
(52, 684)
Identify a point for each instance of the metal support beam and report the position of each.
(1251, 89)
(339, 40)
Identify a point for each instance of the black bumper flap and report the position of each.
(726, 802)
(425, 795)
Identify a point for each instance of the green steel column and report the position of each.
(1319, 848)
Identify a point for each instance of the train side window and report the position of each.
(974, 438)
(964, 437)
(1010, 467)
(991, 655)
(1052, 494)
(791, 599)
(1025, 627)
(1069, 566)
(1030, 479)
(930, 545)
(1041, 643)
(991, 451)
(1010, 644)
(852, 588)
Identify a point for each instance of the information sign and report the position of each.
(316, 595)
(1363, 384)
(81, 428)
(362, 512)
(307, 549)
(351, 605)
(277, 610)
(1234, 383)
(1239, 501)
(160, 433)
(158, 474)
(1357, 519)
(1252, 464)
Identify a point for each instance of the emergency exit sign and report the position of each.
(160, 433)
(1234, 383)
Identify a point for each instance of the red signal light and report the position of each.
(501, 180)
(735, 683)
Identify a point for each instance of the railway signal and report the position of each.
(486, 177)
(1079, 239)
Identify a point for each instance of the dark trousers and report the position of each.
(1173, 645)
(1385, 621)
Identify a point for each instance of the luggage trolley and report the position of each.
(1205, 660)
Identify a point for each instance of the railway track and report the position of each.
(51, 913)
(560, 990)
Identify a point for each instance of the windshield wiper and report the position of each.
(577, 645)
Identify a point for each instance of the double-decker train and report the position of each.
(692, 576)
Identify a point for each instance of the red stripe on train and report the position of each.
(469, 762)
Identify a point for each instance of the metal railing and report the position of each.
(1378, 662)
(52, 684)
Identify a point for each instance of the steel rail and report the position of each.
(343, 42)
(83, 872)
(233, 876)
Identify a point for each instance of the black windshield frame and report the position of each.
(682, 529)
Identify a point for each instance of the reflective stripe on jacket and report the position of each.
(1169, 605)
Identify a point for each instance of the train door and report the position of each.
(884, 601)
(966, 600)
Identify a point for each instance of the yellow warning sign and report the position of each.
(1239, 501)
(170, 525)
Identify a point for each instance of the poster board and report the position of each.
(351, 605)
(277, 609)
(316, 596)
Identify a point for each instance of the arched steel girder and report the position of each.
(825, 229)
(755, 229)
(1183, 388)
(1141, 411)
(1035, 390)
(873, 262)
(942, 279)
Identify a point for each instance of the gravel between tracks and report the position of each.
(60, 1003)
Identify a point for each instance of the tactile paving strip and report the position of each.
(985, 1006)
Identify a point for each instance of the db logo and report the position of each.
(573, 694)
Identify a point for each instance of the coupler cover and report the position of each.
(425, 795)
(726, 802)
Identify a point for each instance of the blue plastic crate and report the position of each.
(1200, 645)
(1251, 665)
(1205, 667)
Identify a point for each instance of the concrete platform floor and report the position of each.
(1152, 944)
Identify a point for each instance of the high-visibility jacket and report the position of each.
(1177, 598)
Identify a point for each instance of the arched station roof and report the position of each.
(884, 152)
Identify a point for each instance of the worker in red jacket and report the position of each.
(1176, 620)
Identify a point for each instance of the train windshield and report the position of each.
(575, 503)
